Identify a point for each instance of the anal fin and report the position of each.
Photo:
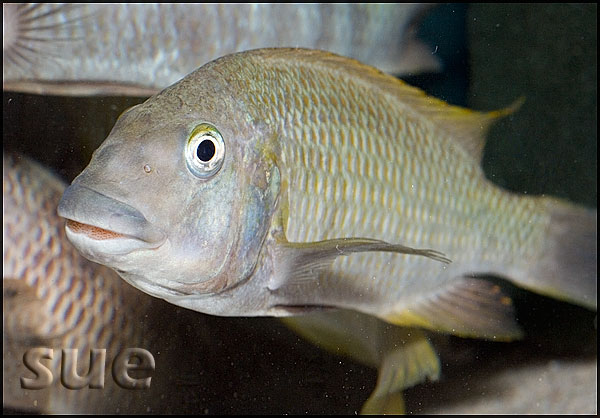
(404, 357)
(467, 307)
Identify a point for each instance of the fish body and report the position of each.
(138, 49)
(282, 181)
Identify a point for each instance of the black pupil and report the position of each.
(205, 150)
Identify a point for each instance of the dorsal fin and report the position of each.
(467, 127)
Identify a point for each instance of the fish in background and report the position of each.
(55, 298)
(294, 181)
(138, 49)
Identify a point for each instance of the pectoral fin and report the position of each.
(467, 307)
(297, 262)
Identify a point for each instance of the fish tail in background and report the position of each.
(417, 58)
(567, 268)
(409, 55)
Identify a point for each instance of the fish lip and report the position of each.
(84, 205)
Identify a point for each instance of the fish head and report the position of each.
(178, 199)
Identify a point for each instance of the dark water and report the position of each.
(548, 54)
(493, 54)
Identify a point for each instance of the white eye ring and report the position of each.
(204, 151)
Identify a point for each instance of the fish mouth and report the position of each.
(94, 232)
(99, 224)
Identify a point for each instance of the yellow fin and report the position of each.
(349, 333)
(389, 404)
(469, 127)
(404, 357)
(411, 361)
(468, 307)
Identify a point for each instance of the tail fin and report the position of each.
(568, 267)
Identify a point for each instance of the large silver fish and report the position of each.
(281, 181)
(138, 49)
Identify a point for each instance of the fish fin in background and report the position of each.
(34, 33)
(404, 357)
(416, 58)
(467, 307)
(568, 267)
(21, 313)
(35, 37)
(407, 54)
(348, 333)
(80, 88)
(299, 262)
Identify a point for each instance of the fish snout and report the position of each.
(103, 218)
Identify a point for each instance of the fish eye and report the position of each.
(205, 151)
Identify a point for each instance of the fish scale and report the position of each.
(64, 296)
(344, 156)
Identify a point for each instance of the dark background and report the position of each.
(492, 55)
